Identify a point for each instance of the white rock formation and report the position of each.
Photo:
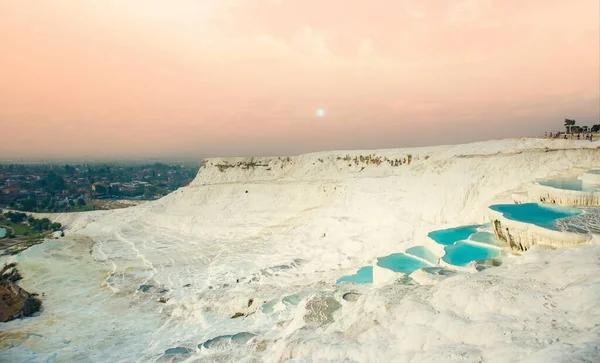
(520, 236)
(384, 276)
(280, 231)
(545, 194)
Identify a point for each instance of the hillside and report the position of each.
(248, 231)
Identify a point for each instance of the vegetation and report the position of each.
(569, 124)
(23, 231)
(571, 128)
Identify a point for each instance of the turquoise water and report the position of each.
(2, 232)
(447, 237)
(422, 252)
(363, 276)
(399, 262)
(457, 253)
(461, 253)
(534, 213)
(571, 184)
(268, 307)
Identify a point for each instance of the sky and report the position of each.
(202, 78)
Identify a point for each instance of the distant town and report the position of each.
(85, 187)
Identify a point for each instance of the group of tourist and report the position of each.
(580, 136)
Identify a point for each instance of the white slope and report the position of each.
(267, 228)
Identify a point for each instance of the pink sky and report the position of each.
(135, 78)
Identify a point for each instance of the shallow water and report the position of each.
(537, 214)
(295, 299)
(449, 236)
(399, 262)
(570, 184)
(461, 253)
(362, 276)
(467, 243)
(2, 232)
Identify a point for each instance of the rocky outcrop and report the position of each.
(373, 159)
(269, 163)
(15, 302)
(309, 166)
(237, 315)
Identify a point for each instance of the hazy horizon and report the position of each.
(197, 159)
(156, 79)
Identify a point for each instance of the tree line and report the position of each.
(38, 225)
(573, 129)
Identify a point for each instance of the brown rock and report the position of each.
(14, 301)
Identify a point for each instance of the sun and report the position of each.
(320, 112)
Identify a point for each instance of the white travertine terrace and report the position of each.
(546, 194)
(265, 239)
(520, 236)
(592, 177)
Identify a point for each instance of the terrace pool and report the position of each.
(571, 184)
(467, 243)
(362, 276)
(461, 253)
(538, 214)
(462, 245)
(399, 262)
(447, 237)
